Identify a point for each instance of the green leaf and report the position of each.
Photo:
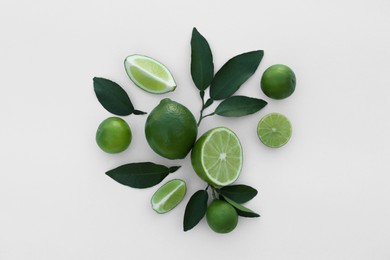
(195, 209)
(208, 103)
(239, 193)
(234, 73)
(241, 210)
(141, 175)
(239, 106)
(113, 97)
(202, 67)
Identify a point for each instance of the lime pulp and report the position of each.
(149, 74)
(217, 156)
(168, 196)
(274, 130)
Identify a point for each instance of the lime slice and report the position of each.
(168, 196)
(274, 130)
(217, 156)
(149, 74)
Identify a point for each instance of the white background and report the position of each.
(325, 195)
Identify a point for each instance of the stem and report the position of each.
(201, 111)
(213, 193)
(208, 185)
(211, 114)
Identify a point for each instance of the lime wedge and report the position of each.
(149, 74)
(168, 196)
(274, 130)
(217, 156)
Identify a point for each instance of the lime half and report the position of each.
(274, 130)
(217, 156)
(168, 196)
(149, 74)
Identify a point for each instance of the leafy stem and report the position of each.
(204, 106)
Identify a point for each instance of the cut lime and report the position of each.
(149, 74)
(274, 130)
(217, 156)
(168, 196)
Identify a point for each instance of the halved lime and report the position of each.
(274, 130)
(217, 156)
(149, 74)
(168, 196)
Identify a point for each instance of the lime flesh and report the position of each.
(168, 196)
(274, 130)
(149, 74)
(217, 156)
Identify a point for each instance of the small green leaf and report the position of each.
(113, 97)
(202, 67)
(138, 112)
(208, 103)
(239, 106)
(239, 193)
(241, 210)
(140, 175)
(234, 73)
(195, 209)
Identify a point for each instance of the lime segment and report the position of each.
(274, 130)
(149, 74)
(168, 196)
(217, 156)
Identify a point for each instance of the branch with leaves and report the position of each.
(226, 81)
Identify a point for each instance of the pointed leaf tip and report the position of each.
(234, 73)
(240, 193)
(202, 66)
(140, 175)
(237, 106)
(195, 209)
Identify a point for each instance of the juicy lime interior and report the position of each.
(222, 156)
(149, 74)
(153, 67)
(145, 79)
(274, 130)
(168, 196)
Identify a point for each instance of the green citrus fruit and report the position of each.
(168, 196)
(171, 129)
(274, 130)
(149, 74)
(278, 81)
(221, 216)
(113, 135)
(217, 156)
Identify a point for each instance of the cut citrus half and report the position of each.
(149, 74)
(274, 130)
(168, 196)
(217, 156)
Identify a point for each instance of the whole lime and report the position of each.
(278, 81)
(113, 135)
(171, 129)
(221, 216)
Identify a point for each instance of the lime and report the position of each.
(113, 135)
(149, 74)
(278, 81)
(168, 196)
(171, 129)
(221, 216)
(274, 130)
(217, 156)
